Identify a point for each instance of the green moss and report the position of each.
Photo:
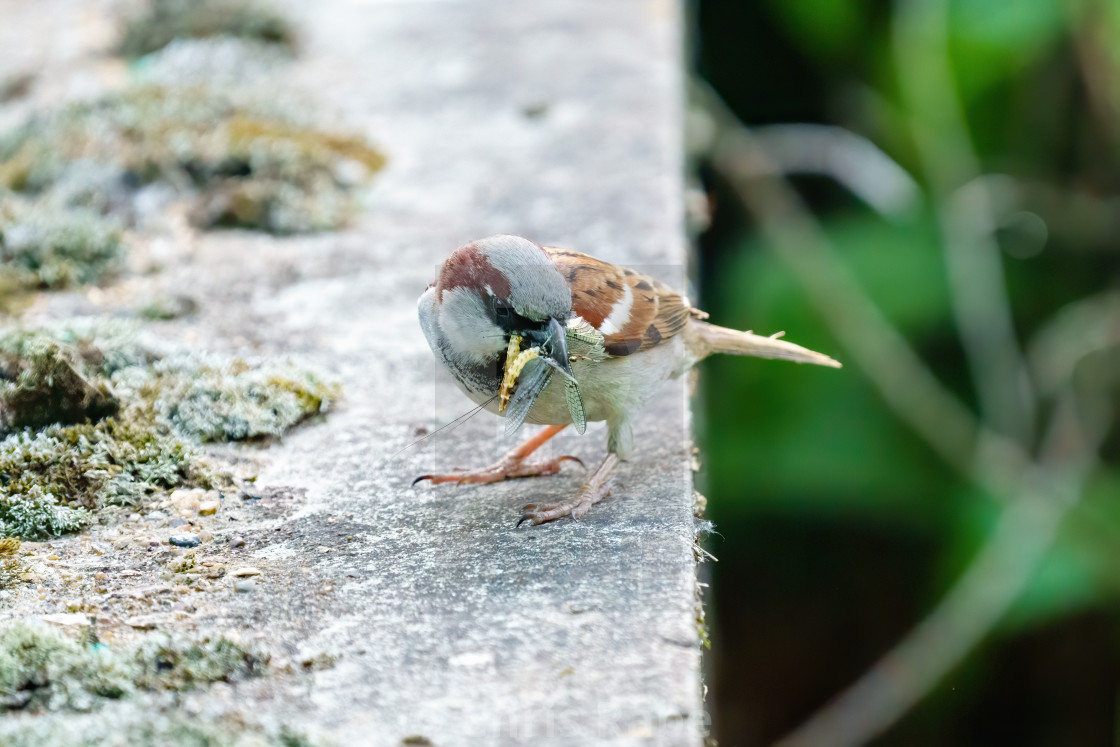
(44, 381)
(42, 669)
(51, 479)
(133, 727)
(166, 308)
(167, 664)
(165, 20)
(93, 419)
(61, 455)
(247, 164)
(37, 513)
(11, 565)
(43, 245)
(60, 374)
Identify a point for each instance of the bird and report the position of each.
(558, 338)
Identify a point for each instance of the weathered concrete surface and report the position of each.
(558, 120)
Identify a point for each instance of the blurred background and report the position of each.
(959, 511)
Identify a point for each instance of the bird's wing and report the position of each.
(632, 311)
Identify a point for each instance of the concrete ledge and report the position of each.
(559, 120)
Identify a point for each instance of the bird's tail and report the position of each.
(710, 339)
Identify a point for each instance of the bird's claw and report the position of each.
(506, 469)
(575, 507)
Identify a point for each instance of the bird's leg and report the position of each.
(512, 465)
(597, 487)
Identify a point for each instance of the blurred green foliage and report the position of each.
(801, 461)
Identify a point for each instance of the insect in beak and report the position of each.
(528, 372)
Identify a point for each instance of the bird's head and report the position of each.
(499, 286)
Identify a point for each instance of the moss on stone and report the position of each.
(44, 381)
(163, 663)
(166, 308)
(40, 668)
(11, 565)
(43, 669)
(45, 245)
(38, 513)
(89, 418)
(133, 727)
(236, 401)
(58, 374)
(247, 164)
(164, 20)
(61, 454)
(51, 479)
(69, 178)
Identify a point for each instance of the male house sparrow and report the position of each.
(557, 337)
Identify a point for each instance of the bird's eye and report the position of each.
(506, 317)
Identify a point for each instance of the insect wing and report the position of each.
(572, 397)
(532, 381)
(575, 405)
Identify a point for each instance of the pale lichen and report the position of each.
(235, 401)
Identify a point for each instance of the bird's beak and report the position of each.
(553, 343)
(556, 348)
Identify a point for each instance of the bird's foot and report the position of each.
(508, 468)
(575, 507)
(597, 487)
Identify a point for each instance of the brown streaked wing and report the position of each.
(657, 312)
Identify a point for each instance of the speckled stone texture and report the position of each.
(559, 120)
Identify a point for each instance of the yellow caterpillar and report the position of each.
(515, 361)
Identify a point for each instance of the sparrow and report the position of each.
(556, 337)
